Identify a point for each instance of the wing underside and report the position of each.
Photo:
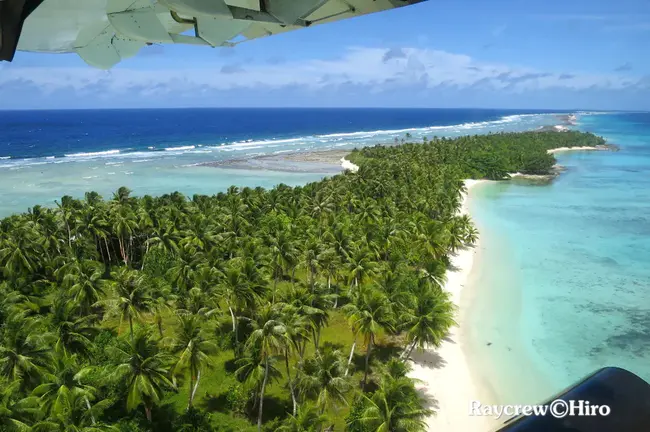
(104, 32)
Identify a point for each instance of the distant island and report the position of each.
(289, 309)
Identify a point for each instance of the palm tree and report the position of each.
(297, 328)
(131, 297)
(65, 380)
(235, 290)
(313, 306)
(394, 406)
(329, 263)
(369, 314)
(164, 238)
(162, 302)
(16, 412)
(269, 336)
(66, 213)
(83, 280)
(24, 353)
(457, 234)
(313, 249)
(17, 255)
(182, 273)
(434, 238)
(198, 303)
(429, 322)
(251, 370)
(74, 413)
(124, 225)
(307, 419)
(323, 378)
(144, 369)
(193, 347)
(471, 236)
(360, 264)
(74, 333)
(91, 221)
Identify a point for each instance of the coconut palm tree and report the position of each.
(163, 302)
(198, 303)
(65, 379)
(131, 297)
(369, 314)
(73, 333)
(92, 222)
(471, 236)
(84, 283)
(74, 413)
(329, 263)
(312, 250)
(297, 328)
(394, 406)
(307, 419)
(124, 225)
(25, 354)
(16, 412)
(360, 264)
(251, 370)
(144, 370)
(18, 255)
(270, 337)
(66, 212)
(193, 346)
(429, 322)
(164, 238)
(183, 273)
(323, 379)
(234, 290)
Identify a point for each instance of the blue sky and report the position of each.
(442, 53)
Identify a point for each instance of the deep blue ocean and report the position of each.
(34, 134)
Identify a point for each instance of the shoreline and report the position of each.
(584, 148)
(457, 373)
(446, 377)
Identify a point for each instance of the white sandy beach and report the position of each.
(444, 372)
(584, 148)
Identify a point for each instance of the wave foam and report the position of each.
(93, 154)
(312, 142)
(180, 148)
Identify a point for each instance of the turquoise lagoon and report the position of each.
(561, 284)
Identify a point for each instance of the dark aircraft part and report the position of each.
(626, 395)
(13, 14)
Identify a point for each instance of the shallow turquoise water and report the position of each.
(564, 283)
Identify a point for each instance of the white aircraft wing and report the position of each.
(103, 32)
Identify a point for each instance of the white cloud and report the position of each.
(376, 68)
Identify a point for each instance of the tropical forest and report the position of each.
(290, 309)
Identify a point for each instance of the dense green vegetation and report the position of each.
(490, 156)
(289, 309)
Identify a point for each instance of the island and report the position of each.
(288, 309)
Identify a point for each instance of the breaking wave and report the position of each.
(190, 153)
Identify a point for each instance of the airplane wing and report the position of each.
(104, 32)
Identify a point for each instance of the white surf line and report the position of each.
(349, 166)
